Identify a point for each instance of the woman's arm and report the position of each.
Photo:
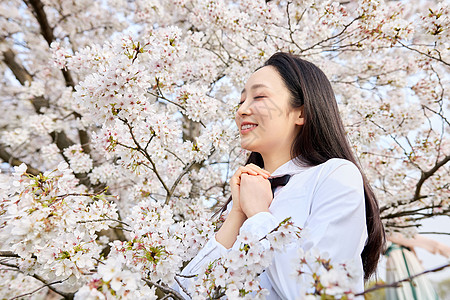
(230, 228)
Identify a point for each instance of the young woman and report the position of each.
(288, 118)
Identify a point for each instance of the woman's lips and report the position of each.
(246, 128)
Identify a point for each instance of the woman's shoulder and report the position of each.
(335, 171)
(336, 163)
(332, 167)
(339, 182)
(342, 169)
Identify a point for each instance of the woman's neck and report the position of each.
(271, 163)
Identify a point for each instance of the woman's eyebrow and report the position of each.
(255, 86)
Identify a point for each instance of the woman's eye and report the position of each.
(257, 97)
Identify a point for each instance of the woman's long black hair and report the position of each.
(323, 137)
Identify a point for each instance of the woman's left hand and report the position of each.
(255, 194)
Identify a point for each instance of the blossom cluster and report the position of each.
(52, 225)
(114, 281)
(319, 277)
(155, 252)
(79, 162)
(236, 274)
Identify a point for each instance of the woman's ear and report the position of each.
(300, 120)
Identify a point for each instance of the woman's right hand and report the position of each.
(235, 182)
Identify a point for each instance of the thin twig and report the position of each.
(39, 288)
(62, 197)
(186, 276)
(423, 53)
(8, 254)
(166, 290)
(425, 175)
(102, 220)
(67, 296)
(177, 181)
(397, 283)
(434, 232)
(16, 268)
(145, 153)
(182, 287)
(334, 36)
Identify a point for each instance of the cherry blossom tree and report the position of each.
(117, 117)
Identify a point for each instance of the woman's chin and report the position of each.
(248, 146)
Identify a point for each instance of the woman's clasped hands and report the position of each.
(250, 190)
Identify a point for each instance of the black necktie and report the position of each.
(278, 181)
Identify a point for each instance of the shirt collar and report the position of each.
(288, 168)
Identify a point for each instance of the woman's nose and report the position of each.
(244, 109)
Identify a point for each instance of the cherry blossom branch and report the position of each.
(394, 138)
(186, 169)
(166, 290)
(291, 33)
(138, 148)
(381, 155)
(160, 96)
(37, 9)
(8, 254)
(47, 32)
(61, 140)
(407, 279)
(62, 197)
(149, 141)
(427, 174)
(145, 153)
(18, 70)
(176, 156)
(414, 218)
(121, 229)
(68, 296)
(39, 288)
(441, 103)
(216, 54)
(346, 26)
(395, 225)
(186, 276)
(282, 223)
(40, 15)
(23, 76)
(103, 220)
(423, 53)
(222, 46)
(182, 287)
(412, 212)
(431, 215)
(437, 113)
(117, 230)
(12, 161)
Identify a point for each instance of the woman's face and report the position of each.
(266, 121)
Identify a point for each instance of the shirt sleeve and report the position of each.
(336, 225)
(210, 252)
(259, 225)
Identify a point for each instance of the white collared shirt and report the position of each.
(328, 199)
